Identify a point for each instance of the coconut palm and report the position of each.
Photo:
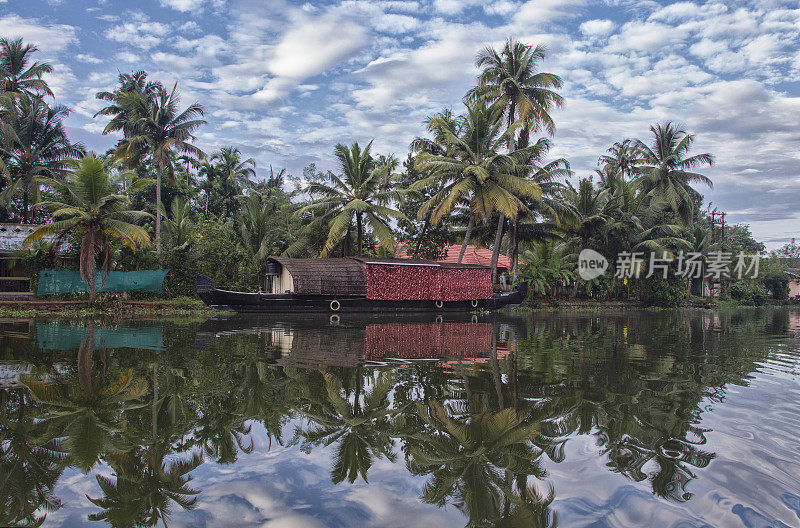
(231, 176)
(159, 128)
(89, 205)
(666, 170)
(178, 224)
(510, 80)
(34, 146)
(623, 158)
(17, 74)
(356, 194)
(474, 168)
(134, 82)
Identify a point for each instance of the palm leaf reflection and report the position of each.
(361, 427)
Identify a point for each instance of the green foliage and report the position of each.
(748, 292)
(660, 292)
(777, 283)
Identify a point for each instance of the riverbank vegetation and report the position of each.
(480, 174)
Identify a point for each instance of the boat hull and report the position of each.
(293, 303)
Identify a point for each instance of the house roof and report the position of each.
(12, 235)
(474, 256)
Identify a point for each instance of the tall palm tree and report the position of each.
(232, 175)
(509, 79)
(475, 168)
(91, 206)
(256, 229)
(623, 158)
(159, 128)
(667, 174)
(357, 193)
(17, 75)
(35, 146)
(134, 82)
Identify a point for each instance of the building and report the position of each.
(474, 256)
(794, 282)
(14, 279)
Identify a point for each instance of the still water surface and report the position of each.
(581, 419)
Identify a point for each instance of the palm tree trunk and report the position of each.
(158, 213)
(470, 225)
(498, 238)
(514, 234)
(25, 206)
(359, 230)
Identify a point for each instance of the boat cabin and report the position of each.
(378, 279)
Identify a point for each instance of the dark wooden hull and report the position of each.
(292, 303)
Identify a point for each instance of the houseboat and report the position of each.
(365, 285)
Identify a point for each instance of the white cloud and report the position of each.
(190, 5)
(539, 13)
(597, 28)
(88, 58)
(48, 37)
(139, 31)
(645, 37)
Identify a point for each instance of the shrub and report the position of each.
(748, 292)
(777, 282)
(661, 292)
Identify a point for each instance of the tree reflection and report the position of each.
(30, 462)
(86, 410)
(362, 426)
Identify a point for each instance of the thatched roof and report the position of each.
(326, 276)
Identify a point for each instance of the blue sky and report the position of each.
(286, 81)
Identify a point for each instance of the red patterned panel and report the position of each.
(466, 284)
(428, 340)
(403, 283)
(466, 339)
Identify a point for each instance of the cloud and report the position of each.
(539, 13)
(190, 5)
(50, 38)
(88, 58)
(597, 28)
(140, 31)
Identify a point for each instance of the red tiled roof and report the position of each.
(473, 256)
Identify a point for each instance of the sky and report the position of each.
(285, 81)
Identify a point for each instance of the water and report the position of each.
(583, 419)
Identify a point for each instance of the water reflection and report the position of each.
(480, 414)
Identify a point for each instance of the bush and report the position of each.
(662, 292)
(777, 282)
(748, 292)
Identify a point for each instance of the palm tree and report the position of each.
(90, 205)
(134, 82)
(357, 193)
(232, 175)
(178, 225)
(475, 168)
(16, 76)
(255, 229)
(666, 172)
(510, 80)
(623, 158)
(35, 146)
(209, 173)
(468, 457)
(157, 127)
